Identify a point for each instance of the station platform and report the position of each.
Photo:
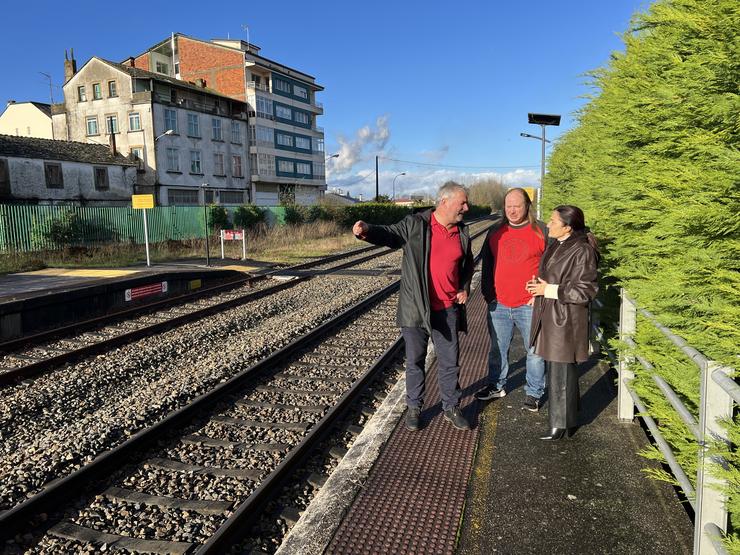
(497, 488)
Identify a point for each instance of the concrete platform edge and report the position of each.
(315, 530)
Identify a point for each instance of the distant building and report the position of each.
(182, 135)
(339, 197)
(286, 146)
(409, 201)
(46, 171)
(26, 119)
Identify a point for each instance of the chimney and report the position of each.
(131, 62)
(112, 143)
(70, 65)
(11, 101)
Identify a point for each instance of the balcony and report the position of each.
(257, 87)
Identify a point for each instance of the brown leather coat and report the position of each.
(560, 327)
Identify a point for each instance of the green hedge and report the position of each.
(654, 164)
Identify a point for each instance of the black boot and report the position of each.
(558, 433)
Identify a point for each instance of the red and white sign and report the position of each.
(146, 291)
(233, 234)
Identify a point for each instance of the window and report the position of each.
(236, 166)
(162, 67)
(4, 178)
(92, 125)
(318, 144)
(183, 196)
(264, 107)
(173, 160)
(303, 168)
(209, 196)
(280, 85)
(301, 117)
(101, 179)
(111, 124)
(282, 112)
(170, 120)
(97, 91)
(193, 125)
(284, 140)
(300, 92)
(232, 197)
(112, 89)
(195, 166)
(137, 154)
(134, 121)
(216, 126)
(218, 164)
(54, 177)
(236, 132)
(285, 166)
(265, 165)
(81, 94)
(319, 170)
(265, 135)
(303, 143)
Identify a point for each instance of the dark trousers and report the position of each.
(563, 392)
(444, 337)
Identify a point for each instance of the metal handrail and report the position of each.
(717, 398)
(670, 458)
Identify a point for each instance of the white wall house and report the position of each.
(47, 171)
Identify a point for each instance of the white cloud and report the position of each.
(424, 181)
(436, 155)
(366, 143)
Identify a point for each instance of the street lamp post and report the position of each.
(394, 184)
(543, 120)
(204, 186)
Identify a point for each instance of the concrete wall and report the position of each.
(28, 181)
(25, 120)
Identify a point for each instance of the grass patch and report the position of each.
(280, 244)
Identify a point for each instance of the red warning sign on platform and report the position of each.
(146, 291)
(233, 235)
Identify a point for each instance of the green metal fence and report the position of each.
(28, 228)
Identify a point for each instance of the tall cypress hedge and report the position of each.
(654, 163)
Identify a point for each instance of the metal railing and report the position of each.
(717, 397)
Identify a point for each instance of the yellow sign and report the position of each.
(142, 201)
(532, 192)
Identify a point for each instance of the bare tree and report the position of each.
(488, 192)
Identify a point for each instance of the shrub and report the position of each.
(248, 216)
(218, 218)
(294, 215)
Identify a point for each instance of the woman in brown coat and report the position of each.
(563, 290)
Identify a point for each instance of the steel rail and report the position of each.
(9, 346)
(59, 490)
(34, 368)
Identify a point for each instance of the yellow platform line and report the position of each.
(68, 272)
(238, 268)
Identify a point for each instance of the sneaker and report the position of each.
(532, 404)
(490, 392)
(457, 419)
(413, 420)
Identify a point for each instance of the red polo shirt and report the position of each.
(444, 265)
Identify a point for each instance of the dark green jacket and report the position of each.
(488, 260)
(414, 235)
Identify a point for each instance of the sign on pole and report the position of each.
(234, 235)
(143, 202)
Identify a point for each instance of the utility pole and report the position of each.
(377, 188)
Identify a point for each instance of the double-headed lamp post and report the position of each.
(394, 184)
(542, 120)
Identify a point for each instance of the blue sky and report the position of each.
(424, 82)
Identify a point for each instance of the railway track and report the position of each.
(26, 357)
(293, 416)
(274, 412)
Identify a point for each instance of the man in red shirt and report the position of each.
(510, 258)
(436, 271)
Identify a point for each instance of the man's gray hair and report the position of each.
(449, 189)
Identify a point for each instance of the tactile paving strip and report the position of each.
(413, 500)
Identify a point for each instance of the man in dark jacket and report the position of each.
(436, 272)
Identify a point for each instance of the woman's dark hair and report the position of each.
(573, 217)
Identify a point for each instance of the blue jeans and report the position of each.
(501, 322)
